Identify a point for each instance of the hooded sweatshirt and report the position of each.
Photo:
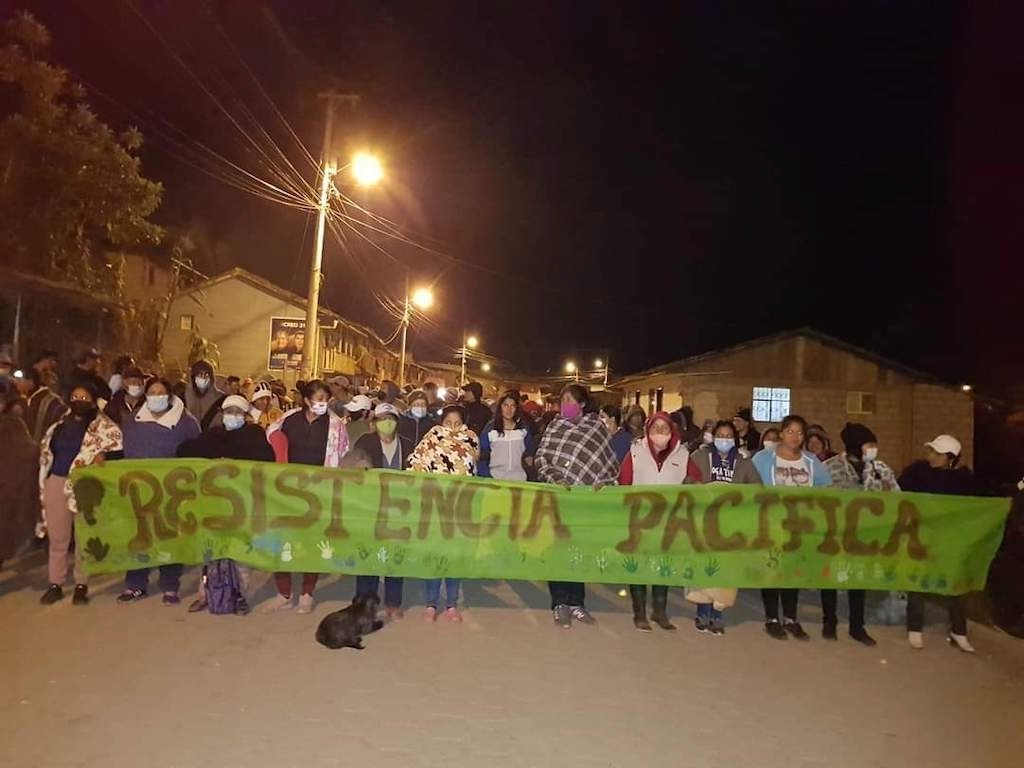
(816, 474)
(502, 453)
(151, 436)
(645, 465)
(205, 406)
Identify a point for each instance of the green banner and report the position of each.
(287, 517)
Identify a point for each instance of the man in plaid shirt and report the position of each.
(575, 450)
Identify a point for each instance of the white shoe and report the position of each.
(916, 640)
(961, 642)
(305, 604)
(279, 603)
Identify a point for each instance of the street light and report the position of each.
(423, 298)
(485, 367)
(599, 363)
(367, 169)
(570, 368)
(469, 342)
(472, 342)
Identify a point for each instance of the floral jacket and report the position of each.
(101, 437)
(877, 476)
(446, 451)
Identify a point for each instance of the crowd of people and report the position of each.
(52, 426)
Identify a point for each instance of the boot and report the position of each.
(639, 596)
(659, 607)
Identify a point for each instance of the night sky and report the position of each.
(650, 180)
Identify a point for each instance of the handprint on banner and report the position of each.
(842, 572)
(97, 549)
(630, 564)
(326, 550)
(601, 561)
(286, 552)
(575, 557)
(383, 555)
(712, 566)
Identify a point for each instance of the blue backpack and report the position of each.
(224, 593)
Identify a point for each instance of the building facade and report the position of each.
(825, 380)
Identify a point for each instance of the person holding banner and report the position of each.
(575, 449)
(661, 458)
(722, 462)
(506, 444)
(315, 436)
(788, 464)
(263, 410)
(451, 448)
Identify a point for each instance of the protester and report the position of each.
(787, 464)
(359, 409)
(129, 398)
(339, 394)
(506, 445)
(233, 386)
(385, 448)
(264, 411)
(1006, 574)
(750, 438)
(621, 437)
(819, 443)
(434, 401)
(46, 365)
(721, 462)
(19, 485)
(451, 448)
(84, 437)
(575, 450)
(858, 469)
(314, 436)
(223, 584)
(552, 406)
(477, 412)
(155, 432)
(940, 472)
(117, 368)
(770, 438)
(415, 424)
(43, 407)
(707, 435)
(659, 459)
(87, 363)
(634, 421)
(689, 433)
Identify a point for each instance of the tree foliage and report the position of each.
(71, 189)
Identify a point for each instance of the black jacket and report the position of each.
(414, 429)
(117, 409)
(248, 443)
(923, 478)
(477, 416)
(369, 444)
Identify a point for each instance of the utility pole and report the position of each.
(405, 330)
(311, 348)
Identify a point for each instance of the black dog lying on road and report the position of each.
(345, 628)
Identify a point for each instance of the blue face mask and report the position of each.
(158, 403)
(724, 444)
(233, 421)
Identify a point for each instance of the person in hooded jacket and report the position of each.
(819, 443)
(689, 432)
(940, 472)
(477, 412)
(506, 444)
(660, 458)
(749, 437)
(129, 397)
(789, 465)
(415, 424)
(264, 412)
(631, 429)
(856, 469)
(202, 397)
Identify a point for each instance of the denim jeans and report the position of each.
(432, 592)
(706, 612)
(370, 585)
(169, 581)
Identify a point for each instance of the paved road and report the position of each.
(142, 685)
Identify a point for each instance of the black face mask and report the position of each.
(83, 410)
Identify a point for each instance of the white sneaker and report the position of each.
(916, 640)
(305, 604)
(278, 603)
(961, 642)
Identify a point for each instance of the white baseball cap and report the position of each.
(358, 403)
(235, 401)
(385, 409)
(261, 390)
(945, 444)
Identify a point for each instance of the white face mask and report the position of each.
(202, 383)
(418, 411)
(135, 390)
(115, 382)
(319, 408)
(769, 444)
(870, 454)
(233, 421)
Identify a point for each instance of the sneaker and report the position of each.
(305, 604)
(131, 595)
(774, 629)
(916, 640)
(170, 599)
(430, 614)
(701, 625)
(53, 593)
(794, 628)
(81, 596)
(582, 615)
(563, 616)
(717, 628)
(961, 642)
(453, 615)
(278, 603)
(828, 631)
(861, 636)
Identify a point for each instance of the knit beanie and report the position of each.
(854, 436)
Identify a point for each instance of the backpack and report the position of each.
(224, 593)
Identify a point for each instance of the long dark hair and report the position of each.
(517, 417)
(310, 388)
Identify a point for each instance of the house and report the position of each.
(824, 379)
(259, 329)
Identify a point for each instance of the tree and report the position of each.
(71, 189)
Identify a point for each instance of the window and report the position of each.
(654, 398)
(860, 402)
(636, 400)
(186, 321)
(770, 403)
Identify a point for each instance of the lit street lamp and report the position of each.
(470, 342)
(485, 367)
(423, 299)
(570, 368)
(367, 169)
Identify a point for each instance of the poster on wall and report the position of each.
(287, 339)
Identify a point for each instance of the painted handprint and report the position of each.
(441, 565)
(326, 550)
(286, 552)
(890, 573)
(630, 564)
(688, 572)
(926, 582)
(665, 568)
(142, 557)
(398, 555)
(941, 583)
(712, 566)
(97, 549)
(363, 552)
(575, 557)
(773, 557)
(383, 555)
(842, 572)
(601, 561)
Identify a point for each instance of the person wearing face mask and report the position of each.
(315, 436)
(155, 432)
(722, 462)
(84, 437)
(127, 400)
(415, 424)
(241, 439)
(770, 438)
(450, 448)
(264, 411)
(575, 450)
(788, 465)
(359, 409)
(506, 445)
(659, 459)
(202, 398)
(118, 367)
